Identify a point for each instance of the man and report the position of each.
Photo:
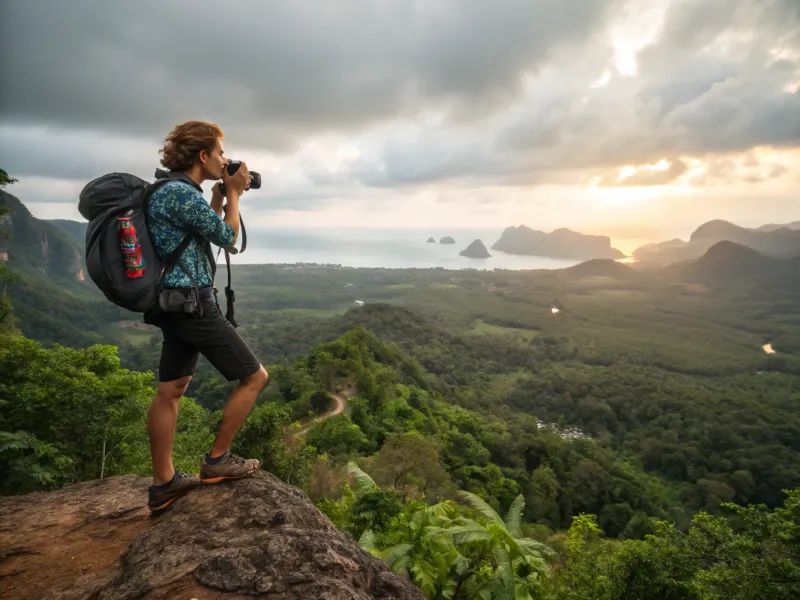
(193, 153)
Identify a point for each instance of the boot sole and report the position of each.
(211, 480)
(162, 506)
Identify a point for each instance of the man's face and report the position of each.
(215, 162)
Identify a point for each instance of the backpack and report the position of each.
(101, 202)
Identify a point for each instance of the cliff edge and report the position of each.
(253, 537)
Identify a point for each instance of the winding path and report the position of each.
(340, 403)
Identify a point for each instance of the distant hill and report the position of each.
(76, 228)
(561, 243)
(476, 249)
(731, 265)
(603, 267)
(781, 242)
(447, 240)
(773, 226)
(431, 241)
(40, 246)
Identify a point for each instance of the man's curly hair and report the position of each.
(183, 144)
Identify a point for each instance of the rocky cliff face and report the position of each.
(253, 537)
(37, 245)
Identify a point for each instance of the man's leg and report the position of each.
(161, 420)
(239, 406)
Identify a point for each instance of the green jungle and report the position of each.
(597, 432)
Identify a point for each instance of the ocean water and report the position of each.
(387, 248)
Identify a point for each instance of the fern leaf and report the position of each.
(514, 517)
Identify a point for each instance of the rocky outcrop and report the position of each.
(254, 537)
(447, 240)
(431, 240)
(561, 243)
(476, 249)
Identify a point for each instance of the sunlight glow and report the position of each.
(629, 170)
(636, 30)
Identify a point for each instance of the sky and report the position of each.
(631, 118)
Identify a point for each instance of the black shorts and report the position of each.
(187, 336)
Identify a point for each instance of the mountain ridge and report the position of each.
(780, 242)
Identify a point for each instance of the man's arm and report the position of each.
(187, 208)
(231, 217)
(232, 212)
(216, 199)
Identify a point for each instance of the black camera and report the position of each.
(233, 166)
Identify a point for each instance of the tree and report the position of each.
(409, 463)
(753, 554)
(6, 179)
(542, 497)
(337, 436)
(320, 401)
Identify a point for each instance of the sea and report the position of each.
(386, 248)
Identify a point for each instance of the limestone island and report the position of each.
(447, 240)
(561, 243)
(476, 249)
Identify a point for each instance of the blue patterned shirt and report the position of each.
(175, 209)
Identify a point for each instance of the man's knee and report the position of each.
(171, 391)
(258, 379)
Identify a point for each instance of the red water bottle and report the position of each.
(131, 249)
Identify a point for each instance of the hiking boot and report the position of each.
(226, 466)
(161, 496)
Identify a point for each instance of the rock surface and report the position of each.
(253, 537)
(476, 249)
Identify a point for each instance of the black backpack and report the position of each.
(115, 195)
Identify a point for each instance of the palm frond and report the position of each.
(369, 541)
(480, 505)
(392, 555)
(363, 481)
(530, 546)
(464, 535)
(505, 572)
(403, 565)
(514, 516)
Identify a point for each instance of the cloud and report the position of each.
(374, 102)
(273, 72)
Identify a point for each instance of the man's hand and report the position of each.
(238, 182)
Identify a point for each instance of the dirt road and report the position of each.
(340, 403)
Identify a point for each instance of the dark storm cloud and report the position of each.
(271, 71)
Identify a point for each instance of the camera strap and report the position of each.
(230, 296)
